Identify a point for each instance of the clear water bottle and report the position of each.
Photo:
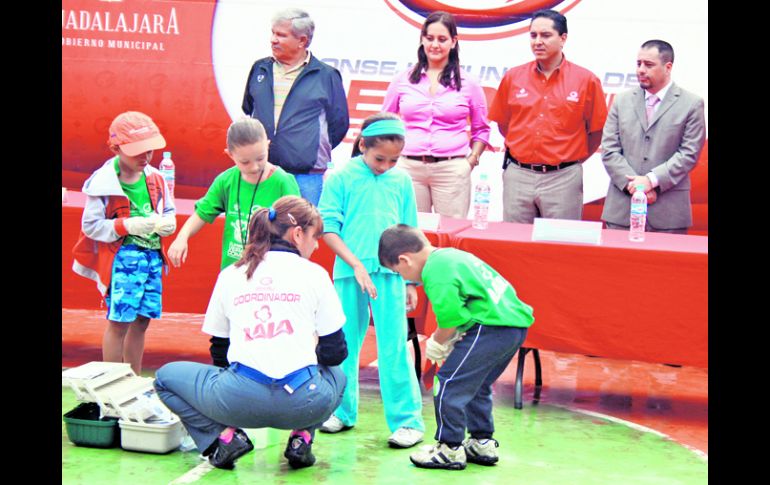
(187, 443)
(638, 214)
(167, 169)
(481, 203)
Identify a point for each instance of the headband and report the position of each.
(385, 127)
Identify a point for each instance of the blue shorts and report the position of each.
(136, 286)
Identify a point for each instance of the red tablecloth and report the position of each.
(638, 301)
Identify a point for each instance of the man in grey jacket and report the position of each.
(653, 137)
(300, 101)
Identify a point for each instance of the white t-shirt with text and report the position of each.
(272, 319)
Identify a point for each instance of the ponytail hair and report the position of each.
(245, 131)
(269, 224)
(371, 141)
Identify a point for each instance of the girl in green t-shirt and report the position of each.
(253, 183)
(239, 191)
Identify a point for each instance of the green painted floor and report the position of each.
(539, 444)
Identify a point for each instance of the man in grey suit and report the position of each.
(657, 152)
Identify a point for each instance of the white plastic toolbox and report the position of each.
(151, 436)
(94, 375)
(145, 423)
(114, 386)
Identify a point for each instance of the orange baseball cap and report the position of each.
(135, 133)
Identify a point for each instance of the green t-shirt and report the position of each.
(140, 206)
(465, 290)
(224, 196)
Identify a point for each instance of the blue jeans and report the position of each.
(208, 399)
(462, 393)
(310, 185)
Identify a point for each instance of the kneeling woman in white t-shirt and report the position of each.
(284, 321)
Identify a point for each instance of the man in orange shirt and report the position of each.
(551, 113)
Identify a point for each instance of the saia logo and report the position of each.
(480, 19)
(265, 328)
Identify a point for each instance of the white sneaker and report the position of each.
(481, 452)
(440, 456)
(333, 425)
(405, 438)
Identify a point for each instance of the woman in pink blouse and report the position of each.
(435, 98)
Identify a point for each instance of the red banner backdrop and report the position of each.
(147, 56)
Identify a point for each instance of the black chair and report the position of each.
(520, 376)
(412, 335)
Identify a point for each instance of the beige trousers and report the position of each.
(444, 187)
(551, 195)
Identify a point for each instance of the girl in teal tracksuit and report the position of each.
(358, 202)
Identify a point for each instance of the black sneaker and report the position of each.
(224, 455)
(298, 452)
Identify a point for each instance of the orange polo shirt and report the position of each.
(549, 119)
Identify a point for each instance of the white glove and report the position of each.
(454, 338)
(139, 226)
(436, 352)
(165, 226)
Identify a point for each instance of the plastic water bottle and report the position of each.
(638, 214)
(187, 443)
(152, 403)
(481, 203)
(167, 169)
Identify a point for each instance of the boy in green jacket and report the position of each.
(481, 325)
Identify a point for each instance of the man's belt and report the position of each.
(536, 167)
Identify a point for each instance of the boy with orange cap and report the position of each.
(128, 209)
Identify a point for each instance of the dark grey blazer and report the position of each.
(669, 147)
